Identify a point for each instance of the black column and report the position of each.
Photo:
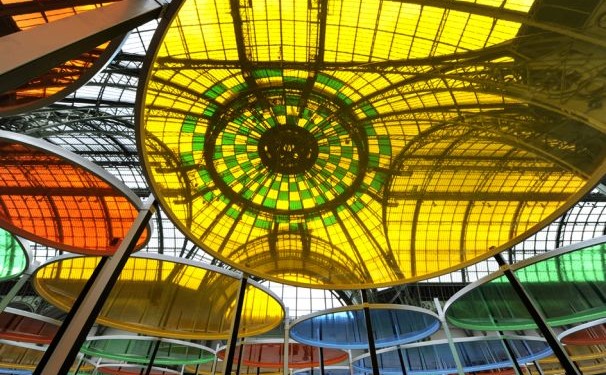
(66, 344)
(371, 338)
(229, 359)
(153, 357)
(538, 318)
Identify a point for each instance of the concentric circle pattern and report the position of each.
(347, 144)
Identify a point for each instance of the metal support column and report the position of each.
(62, 351)
(538, 367)
(511, 354)
(14, 290)
(286, 348)
(153, 357)
(322, 369)
(371, 337)
(402, 362)
(539, 319)
(451, 344)
(231, 346)
(240, 353)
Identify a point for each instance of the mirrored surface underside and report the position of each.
(347, 143)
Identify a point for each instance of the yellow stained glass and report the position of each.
(347, 143)
(164, 297)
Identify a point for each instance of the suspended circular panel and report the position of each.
(329, 370)
(593, 334)
(13, 257)
(323, 144)
(19, 357)
(56, 198)
(568, 285)
(165, 297)
(476, 354)
(271, 355)
(590, 359)
(23, 326)
(133, 370)
(345, 328)
(67, 76)
(137, 349)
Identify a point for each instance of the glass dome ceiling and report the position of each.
(349, 144)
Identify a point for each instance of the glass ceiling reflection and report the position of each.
(361, 153)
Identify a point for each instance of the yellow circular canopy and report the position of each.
(165, 297)
(353, 143)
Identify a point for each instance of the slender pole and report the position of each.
(14, 290)
(451, 344)
(371, 338)
(322, 369)
(231, 347)
(64, 348)
(153, 357)
(537, 316)
(402, 362)
(538, 367)
(511, 354)
(240, 353)
(286, 341)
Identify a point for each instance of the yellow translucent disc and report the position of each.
(163, 297)
(347, 143)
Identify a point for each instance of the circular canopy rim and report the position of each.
(519, 265)
(78, 162)
(429, 330)
(593, 179)
(166, 258)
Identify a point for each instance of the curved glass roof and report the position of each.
(271, 355)
(56, 198)
(65, 77)
(137, 349)
(353, 144)
(13, 257)
(476, 354)
(345, 328)
(165, 297)
(567, 285)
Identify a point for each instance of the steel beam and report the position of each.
(537, 316)
(372, 350)
(231, 347)
(64, 348)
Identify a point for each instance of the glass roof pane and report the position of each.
(13, 258)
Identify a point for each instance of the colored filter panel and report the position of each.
(134, 370)
(595, 335)
(568, 288)
(66, 76)
(327, 371)
(480, 354)
(164, 297)
(137, 350)
(346, 329)
(590, 359)
(54, 200)
(26, 329)
(271, 355)
(13, 258)
(294, 141)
